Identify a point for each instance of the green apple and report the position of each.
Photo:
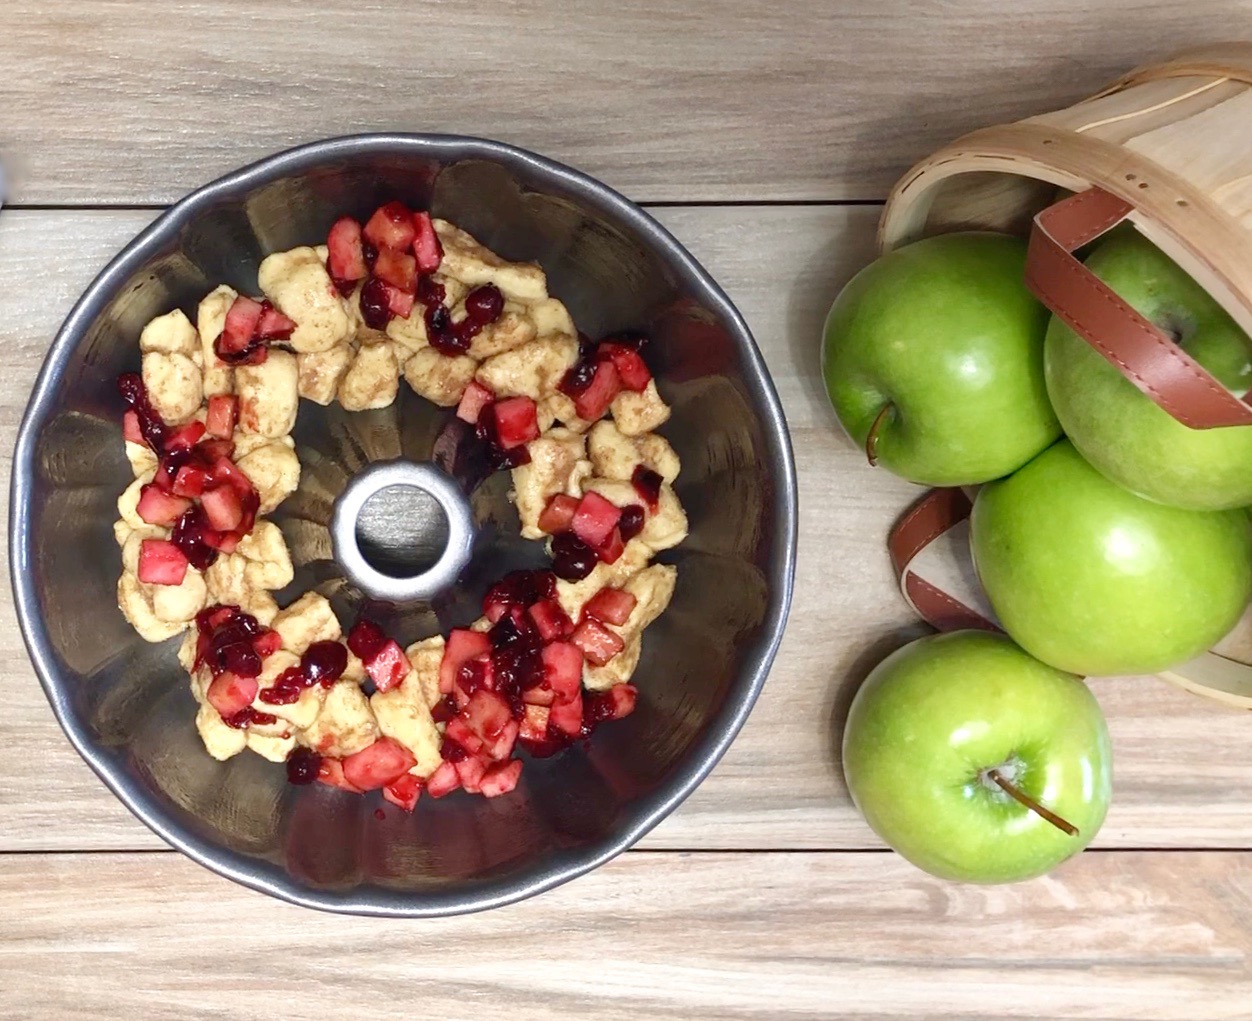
(933, 359)
(1091, 578)
(1121, 431)
(934, 726)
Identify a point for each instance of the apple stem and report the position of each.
(871, 439)
(1022, 798)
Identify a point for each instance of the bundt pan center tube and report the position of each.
(125, 703)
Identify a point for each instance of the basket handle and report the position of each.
(932, 515)
(1174, 380)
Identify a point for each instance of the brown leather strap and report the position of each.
(932, 515)
(1142, 353)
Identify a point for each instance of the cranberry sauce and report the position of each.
(647, 484)
(303, 766)
(631, 522)
(131, 386)
(572, 559)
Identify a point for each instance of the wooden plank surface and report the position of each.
(1182, 776)
(137, 101)
(701, 936)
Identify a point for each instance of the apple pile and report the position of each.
(1109, 538)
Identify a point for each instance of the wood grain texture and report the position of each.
(1182, 776)
(703, 936)
(137, 101)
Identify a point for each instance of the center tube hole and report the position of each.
(402, 531)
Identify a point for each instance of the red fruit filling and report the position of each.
(647, 484)
(516, 421)
(135, 394)
(597, 642)
(382, 763)
(303, 766)
(595, 519)
(632, 372)
(475, 398)
(376, 304)
(397, 269)
(391, 226)
(161, 563)
(558, 516)
(185, 437)
(632, 522)
(426, 244)
(345, 259)
(572, 559)
(461, 646)
(330, 773)
(230, 694)
(131, 431)
(157, 507)
(404, 792)
(222, 415)
(273, 325)
(610, 606)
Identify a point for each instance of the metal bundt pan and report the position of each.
(125, 704)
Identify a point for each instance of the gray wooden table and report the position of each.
(764, 135)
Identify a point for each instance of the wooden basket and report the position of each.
(1173, 143)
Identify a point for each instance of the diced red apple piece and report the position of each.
(399, 302)
(330, 772)
(212, 450)
(229, 693)
(487, 714)
(391, 226)
(534, 723)
(597, 642)
(559, 514)
(613, 704)
(500, 747)
(458, 731)
(380, 764)
(501, 778)
(426, 244)
(469, 771)
(404, 792)
(158, 507)
(223, 542)
(567, 716)
(611, 606)
(267, 643)
(131, 430)
(462, 646)
(399, 269)
(595, 519)
(471, 675)
(190, 480)
(443, 781)
(563, 670)
(612, 548)
(273, 325)
(539, 696)
(222, 415)
(225, 470)
(345, 257)
(242, 319)
(185, 437)
(551, 621)
(389, 666)
(473, 400)
(222, 507)
(516, 421)
(632, 371)
(594, 401)
(161, 563)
